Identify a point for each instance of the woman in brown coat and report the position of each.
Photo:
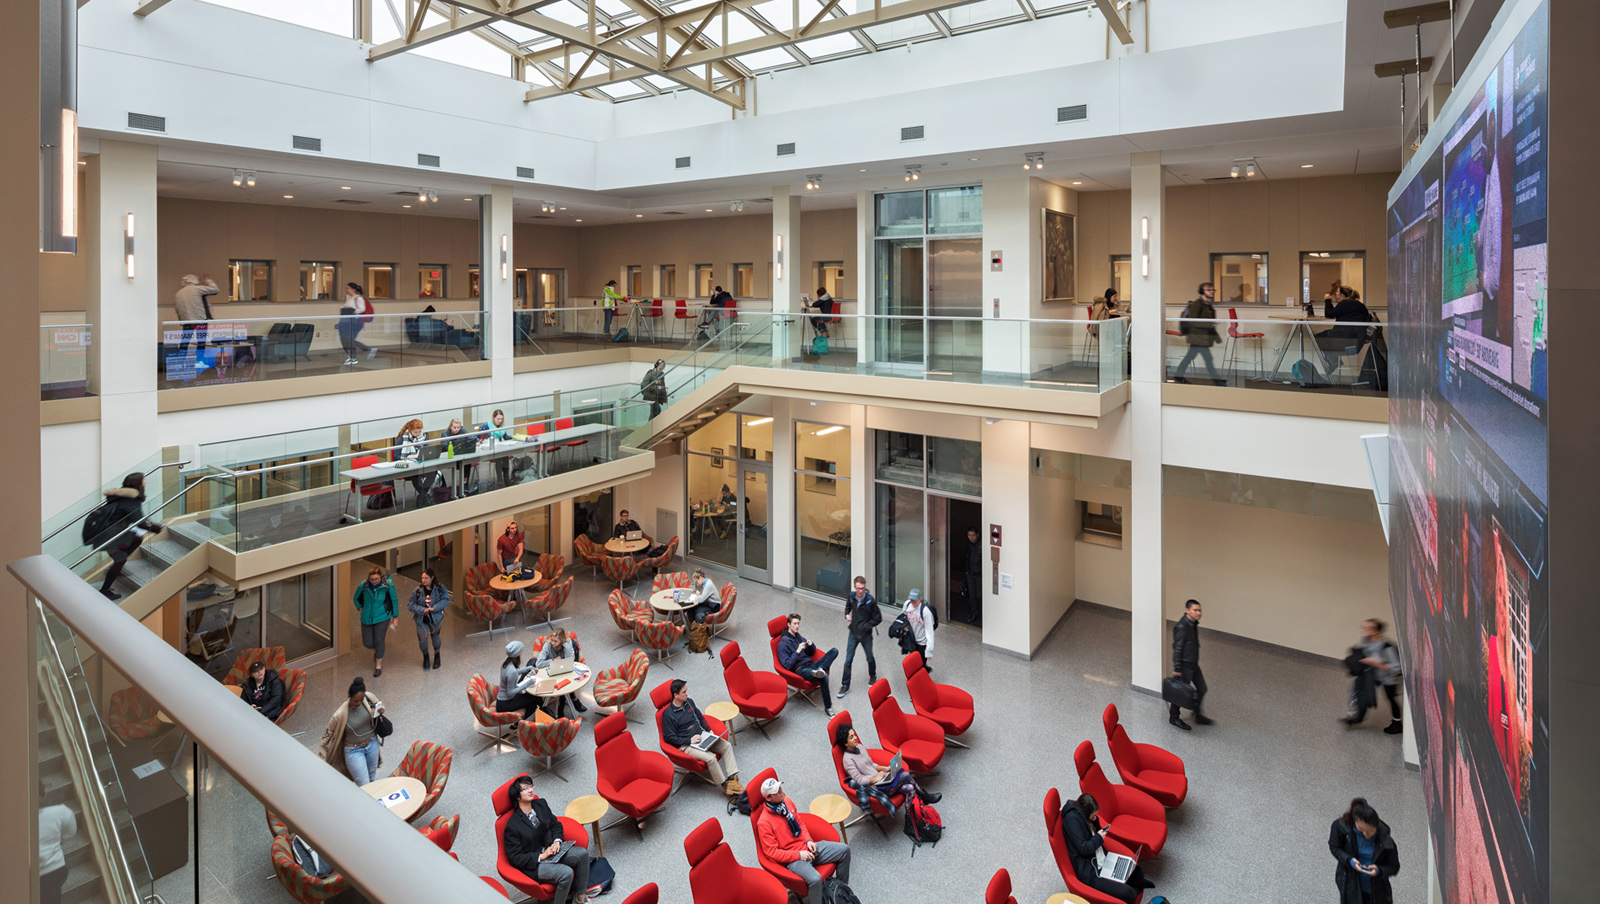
(350, 742)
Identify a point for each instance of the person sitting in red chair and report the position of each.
(535, 846)
(1085, 838)
(872, 781)
(784, 839)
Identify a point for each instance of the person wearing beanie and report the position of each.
(919, 616)
(350, 742)
(514, 680)
(193, 310)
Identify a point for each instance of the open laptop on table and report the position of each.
(633, 535)
(559, 667)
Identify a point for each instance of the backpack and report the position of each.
(699, 637)
(622, 335)
(739, 803)
(819, 345)
(97, 522)
(922, 823)
(601, 875)
(834, 891)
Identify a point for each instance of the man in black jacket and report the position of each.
(624, 525)
(1199, 328)
(682, 725)
(1186, 662)
(533, 845)
(861, 619)
(974, 573)
(264, 691)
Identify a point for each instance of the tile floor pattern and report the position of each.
(1265, 781)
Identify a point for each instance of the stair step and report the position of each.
(189, 533)
(165, 552)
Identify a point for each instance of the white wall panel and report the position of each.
(1314, 450)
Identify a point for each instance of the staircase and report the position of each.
(155, 557)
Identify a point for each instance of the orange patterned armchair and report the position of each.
(674, 580)
(588, 552)
(441, 830)
(428, 763)
(625, 611)
(491, 724)
(486, 607)
(622, 569)
(546, 739)
(133, 715)
(294, 687)
(546, 603)
(656, 563)
(274, 656)
(301, 885)
(617, 687)
(550, 566)
(718, 620)
(658, 636)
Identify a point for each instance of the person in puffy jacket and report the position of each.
(264, 691)
(193, 310)
(427, 605)
(379, 605)
(125, 529)
(1085, 838)
(861, 620)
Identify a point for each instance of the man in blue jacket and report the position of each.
(794, 654)
(861, 619)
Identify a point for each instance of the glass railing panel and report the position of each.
(1291, 350)
(64, 361)
(62, 533)
(250, 350)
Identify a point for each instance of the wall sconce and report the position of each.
(58, 127)
(1034, 160)
(127, 244)
(505, 248)
(1144, 245)
(777, 256)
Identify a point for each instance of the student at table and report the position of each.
(533, 845)
(408, 447)
(825, 304)
(561, 645)
(625, 524)
(458, 442)
(497, 430)
(703, 593)
(1104, 308)
(1334, 341)
(513, 679)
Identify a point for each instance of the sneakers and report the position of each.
(1394, 727)
(1178, 722)
(372, 353)
(351, 362)
(843, 690)
(1198, 719)
(111, 594)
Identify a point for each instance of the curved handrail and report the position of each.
(145, 516)
(63, 527)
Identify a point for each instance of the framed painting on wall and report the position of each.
(1060, 256)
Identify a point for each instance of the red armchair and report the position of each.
(504, 806)
(918, 737)
(649, 893)
(550, 565)
(880, 756)
(588, 552)
(274, 657)
(547, 739)
(1147, 767)
(1058, 847)
(661, 696)
(622, 569)
(636, 782)
(1135, 818)
(999, 891)
(133, 715)
(816, 826)
(715, 877)
(805, 687)
(429, 763)
(615, 688)
(948, 705)
(491, 723)
(760, 696)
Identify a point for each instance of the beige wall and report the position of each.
(1052, 572)
(1281, 217)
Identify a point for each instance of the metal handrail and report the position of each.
(63, 527)
(146, 516)
(308, 317)
(383, 857)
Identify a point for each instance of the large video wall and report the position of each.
(1468, 415)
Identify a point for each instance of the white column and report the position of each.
(866, 264)
(1148, 343)
(780, 498)
(862, 511)
(122, 311)
(1007, 494)
(497, 278)
(1009, 226)
(788, 274)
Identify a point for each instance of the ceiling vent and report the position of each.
(672, 213)
(681, 163)
(147, 122)
(351, 201)
(404, 194)
(786, 149)
(427, 160)
(302, 143)
(540, 216)
(524, 172)
(1074, 113)
(911, 133)
(1220, 179)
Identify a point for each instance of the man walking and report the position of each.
(1199, 328)
(194, 310)
(861, 619)
(1186, 663)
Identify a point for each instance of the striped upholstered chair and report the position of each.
(674, 580)
(538, 645)
(301, 885)
(588, 552)
(133, 715)
(545, 604)
(547, 740)
(622, 569)
(491, 723)
(550, 566)
(478, 578)
(658, 636)
(294, 687)
(488, 608)
(441, 830)
(625, 611)
(718, 620)
(428, 763)
(617, 687)
(276, 826)
(273, 656)
(656, 563)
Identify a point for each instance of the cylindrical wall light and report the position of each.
(127, 244)
(1144, 246)
(505, 249)
(58, 126)
(777, 256)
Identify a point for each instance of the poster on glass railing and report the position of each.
(64, 363)
(207, 354)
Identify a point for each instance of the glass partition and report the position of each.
(64, 361)
(1291, 350)
(822, 507)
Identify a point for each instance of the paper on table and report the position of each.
(396, 798)
(148, 769)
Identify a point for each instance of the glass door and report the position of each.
(899, 291)
(752, 520)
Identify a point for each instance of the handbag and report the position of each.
(1178, 692)
(601, 875)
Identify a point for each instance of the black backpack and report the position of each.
(834, 891)
(98, 522)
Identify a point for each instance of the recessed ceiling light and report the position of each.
(344, 188)
(289, 197)
(973, 159)
(560, 208)
(83, 163)
(638, 215)
(1307, 165)
(579, 220)
(405, 205)
(1077, 183)
(860, 170)
(466, 199)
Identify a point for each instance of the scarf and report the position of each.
(781, 810)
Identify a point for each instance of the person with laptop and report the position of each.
(557, 657)
(627, 528)
(411, 446)
(873, 782)
(515, 679)
(1091, 862)
(535, 845)
(685, 728)
(794, 653)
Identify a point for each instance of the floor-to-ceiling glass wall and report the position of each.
(711, 467)
(926, 490)
(822, 507)
(928, 260)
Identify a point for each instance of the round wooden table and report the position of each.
(620, 547)
(662, 601)
(577, 680)
(835, 809)
(238, 690)
(587, 811)
(401, 794)
(507, 585)
(1064, 898)
(724, 712)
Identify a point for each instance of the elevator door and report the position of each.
(955, 583)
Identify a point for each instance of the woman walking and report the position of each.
(1380, 667)
(124, 528)
(355, 314)
(379, 605)
(427, 605)
(1366, 855)
(350, 742)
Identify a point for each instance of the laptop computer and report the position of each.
(1117, 867)
(430, 452)
(559, 667)
(544, 687)
(894, 767)
(707, 738)
(632, 535)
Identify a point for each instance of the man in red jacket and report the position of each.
(783, 839)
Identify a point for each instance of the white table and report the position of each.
(1301, 326)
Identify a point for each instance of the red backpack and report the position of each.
(922, 823)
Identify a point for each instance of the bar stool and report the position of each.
(1233, 344)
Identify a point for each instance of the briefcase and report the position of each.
(1178, 692)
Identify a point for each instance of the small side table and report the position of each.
(725, 712)
(588, 810)
(1065, 898)
(833, 808)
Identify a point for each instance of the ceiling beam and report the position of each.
(1114, 19)
(821, 14)
(1409, 16)
(145, 7)
(1402, 67)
